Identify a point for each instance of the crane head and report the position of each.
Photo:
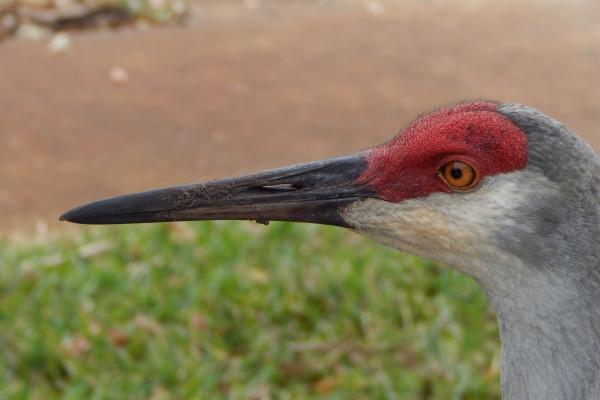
(458, 185)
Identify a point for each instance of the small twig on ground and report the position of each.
(79, 17)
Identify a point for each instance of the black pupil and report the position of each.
(456, 173)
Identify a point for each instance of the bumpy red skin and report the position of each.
(408, 166)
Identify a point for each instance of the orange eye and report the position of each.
(458, 175)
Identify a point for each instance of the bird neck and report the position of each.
(550, 333)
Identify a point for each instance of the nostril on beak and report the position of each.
(280, 187)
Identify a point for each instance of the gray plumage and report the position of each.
(549, 316)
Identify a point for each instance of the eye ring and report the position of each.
(459, 175)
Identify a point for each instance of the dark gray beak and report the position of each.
(314, 192)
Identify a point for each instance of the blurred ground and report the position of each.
(256, 85)
(231, 310)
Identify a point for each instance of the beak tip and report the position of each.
(78, 215)
(68, 217)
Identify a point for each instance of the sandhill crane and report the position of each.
(499, 191)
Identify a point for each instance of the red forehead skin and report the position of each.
(408, 166)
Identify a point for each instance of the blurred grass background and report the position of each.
(237, 311)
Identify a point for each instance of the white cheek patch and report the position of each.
(453, 228)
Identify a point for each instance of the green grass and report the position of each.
(237, 311)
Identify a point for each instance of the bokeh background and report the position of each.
(102, 98)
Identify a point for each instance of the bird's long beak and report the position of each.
(314, 192)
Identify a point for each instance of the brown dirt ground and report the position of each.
(240, 90)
